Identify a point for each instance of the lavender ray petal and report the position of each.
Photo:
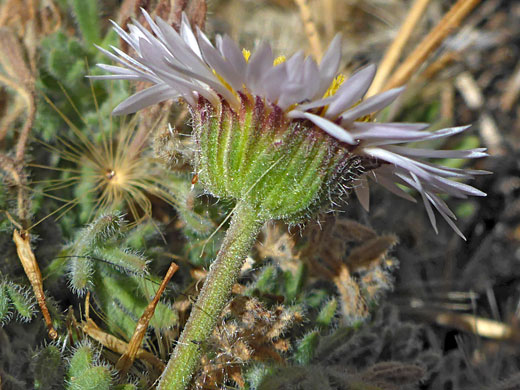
(185, 87)
(295, 66)
(259, 63)
(135, 32)
(439, 170)
(432, 153)
(352, 90)
(431, 174)
(234, 57)
(132, 77)
(138, 68)
(116, 69)
(329, 127)
(448, 132)
(363, 192)
(119, 73)
(274, 81)
(388, 180)
(220, 65)
(144, 33)
(440, 205)
(311, 79)
(469, 172)
(123, 34)
(416, 183)
(406, 166)
(115, 58)
(188, 36)
(145, 98)
(152, 56)
(433, 199)
(464, 188)
(131, 62)
(387, 133)
(212, 82)
(315, 104)
(180, 49)
(218, 44)
(396, 159)
(290, 95)
(372, 104)
(157, 31)
(329, 65)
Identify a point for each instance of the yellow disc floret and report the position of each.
(336, 83)
(246, 53)
(279, 60)
(224, 82)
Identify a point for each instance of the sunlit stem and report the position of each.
(215, 294)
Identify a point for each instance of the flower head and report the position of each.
(110, 170)
(264, 94)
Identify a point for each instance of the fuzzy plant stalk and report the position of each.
(268, 179)
(213, 297)
(279, 137)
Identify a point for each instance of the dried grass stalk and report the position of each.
(393, 53)
(310, 28)
(127, 359)
(432, 41)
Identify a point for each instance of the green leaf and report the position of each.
(87, 15)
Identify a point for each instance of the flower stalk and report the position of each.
(223, 274)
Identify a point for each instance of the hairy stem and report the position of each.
(214, 296)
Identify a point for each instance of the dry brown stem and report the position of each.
(127, 359)
(470, 90)
(18, 180)
(512, 90)
(447, 102)
(16, 109)
(17, 76)
(30, 18)
(393, 53)
(370, 252)
(353, 304)
(445, 27)
(392, 375)
(30, 266)
(310, 28)
(440, 63)
(491, 136)
(24, 134)
(330, 11)
(483, 327)
(90, 328)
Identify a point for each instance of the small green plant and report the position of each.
(85, 371)
(277, 137)
(15, 301)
